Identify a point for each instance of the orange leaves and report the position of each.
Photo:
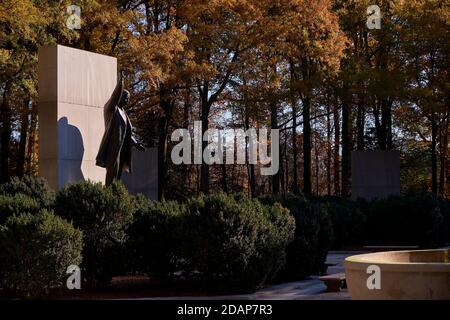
(156, 54)
(305, 28)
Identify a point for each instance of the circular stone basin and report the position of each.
(418, 274)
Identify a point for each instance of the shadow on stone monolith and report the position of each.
(375, 174)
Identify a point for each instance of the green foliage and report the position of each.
(444, 206)
(415, 169)
(35, 251)
(306, 255)
(16, 205)
(152, 242)
(413, 219)
(103, 214)
(33, 187)
(225, 241)
(348, 221)
(233, 241)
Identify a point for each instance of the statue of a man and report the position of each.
(115, 149)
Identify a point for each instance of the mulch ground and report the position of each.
(130, 287)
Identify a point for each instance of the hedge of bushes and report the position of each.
(233, 241)
(11, 205)
(103, 214)
(307, 253)
(35, 188)
(348, 220)
(408, 220)
(152, 239)
(444, 231)
(35, 251)
(411, 219)
(224, 241)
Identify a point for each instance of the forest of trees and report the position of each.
(311, 68)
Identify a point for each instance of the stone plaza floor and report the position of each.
(308, 289)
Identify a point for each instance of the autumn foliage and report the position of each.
(312, 69)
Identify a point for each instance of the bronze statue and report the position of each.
(115, 149)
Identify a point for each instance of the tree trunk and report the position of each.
(360, 121)
(186, 108)
(443, 155)
(295, 184)
(32, 158)
(346, 142)
(446, 163)
(224, 177)
(21, 156)
(329, 151)
(250, 166)
(316, 153)
(204, 169)
(383, 127)
(386, 114)
(162, 161)
(167, 105)
(433, 155)
(386, 124)
(285, 169)
(6, 115)
(307, 145)
(389, 142)
(379, 132)
(274, 125)
(337, 143)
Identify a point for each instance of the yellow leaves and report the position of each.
(20, 17)
(202, 70)
(311, 29)
(30, 86)
(100, 22)
(4, 56)
(157, 55)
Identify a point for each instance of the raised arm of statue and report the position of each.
(114, 100)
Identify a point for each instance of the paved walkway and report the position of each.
(309, 289)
